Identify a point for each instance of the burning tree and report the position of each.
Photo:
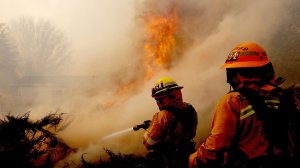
(29, 144)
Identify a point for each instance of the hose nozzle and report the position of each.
(144, 125)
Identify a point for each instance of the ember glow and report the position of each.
(160, 40)
(120, 95)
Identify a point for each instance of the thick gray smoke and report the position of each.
(108, 92)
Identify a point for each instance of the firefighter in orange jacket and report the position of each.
(241, 133)
(172, 129)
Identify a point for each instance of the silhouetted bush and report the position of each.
(117, 160)
(28, 144)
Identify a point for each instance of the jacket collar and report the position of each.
(260, 84)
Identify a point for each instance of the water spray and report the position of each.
(144, 125)
(117, 133)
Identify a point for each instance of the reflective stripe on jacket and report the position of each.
(235, 121)
(166, 129)
(157, 129)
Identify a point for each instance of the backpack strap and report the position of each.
(270, 117)
(282, 124)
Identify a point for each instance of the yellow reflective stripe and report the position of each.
(246, 112)
(246, 108)
(272, 101)
(273, 104)
(274, 107)
(247, 115)
(149, 140)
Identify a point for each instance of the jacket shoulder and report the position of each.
(164, 116)
(233, 96)
(232, 101)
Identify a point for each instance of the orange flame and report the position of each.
(159, 46)
(160, 41)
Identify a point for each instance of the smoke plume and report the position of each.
(110, 92)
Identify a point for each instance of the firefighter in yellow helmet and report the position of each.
(248, 129)
(169, 136)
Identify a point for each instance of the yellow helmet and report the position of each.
(163, 84)
(246, 55)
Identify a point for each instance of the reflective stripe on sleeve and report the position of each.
(149, 140)
(246, 112)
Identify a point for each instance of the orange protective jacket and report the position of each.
(236, 127)
(167, 129)
(233, 113)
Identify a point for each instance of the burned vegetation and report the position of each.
(117, 160)
(34, 144)
(31, 144)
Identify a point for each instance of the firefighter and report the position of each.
(247, 128)
(169, 138)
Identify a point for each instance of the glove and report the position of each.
(192, 160)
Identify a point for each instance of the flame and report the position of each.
(54, 154)
(159, 46)
(160, 41)
(49, 149)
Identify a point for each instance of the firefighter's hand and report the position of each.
(147, 124)
(193, 163)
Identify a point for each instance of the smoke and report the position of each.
(209, 30)
(109, 94)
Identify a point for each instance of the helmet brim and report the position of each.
(247, 64)
(165, 89)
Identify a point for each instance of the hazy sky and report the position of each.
(92, 27)
(106, 38)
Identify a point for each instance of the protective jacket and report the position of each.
(170, 133)
(234, 121)
(238, 136)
